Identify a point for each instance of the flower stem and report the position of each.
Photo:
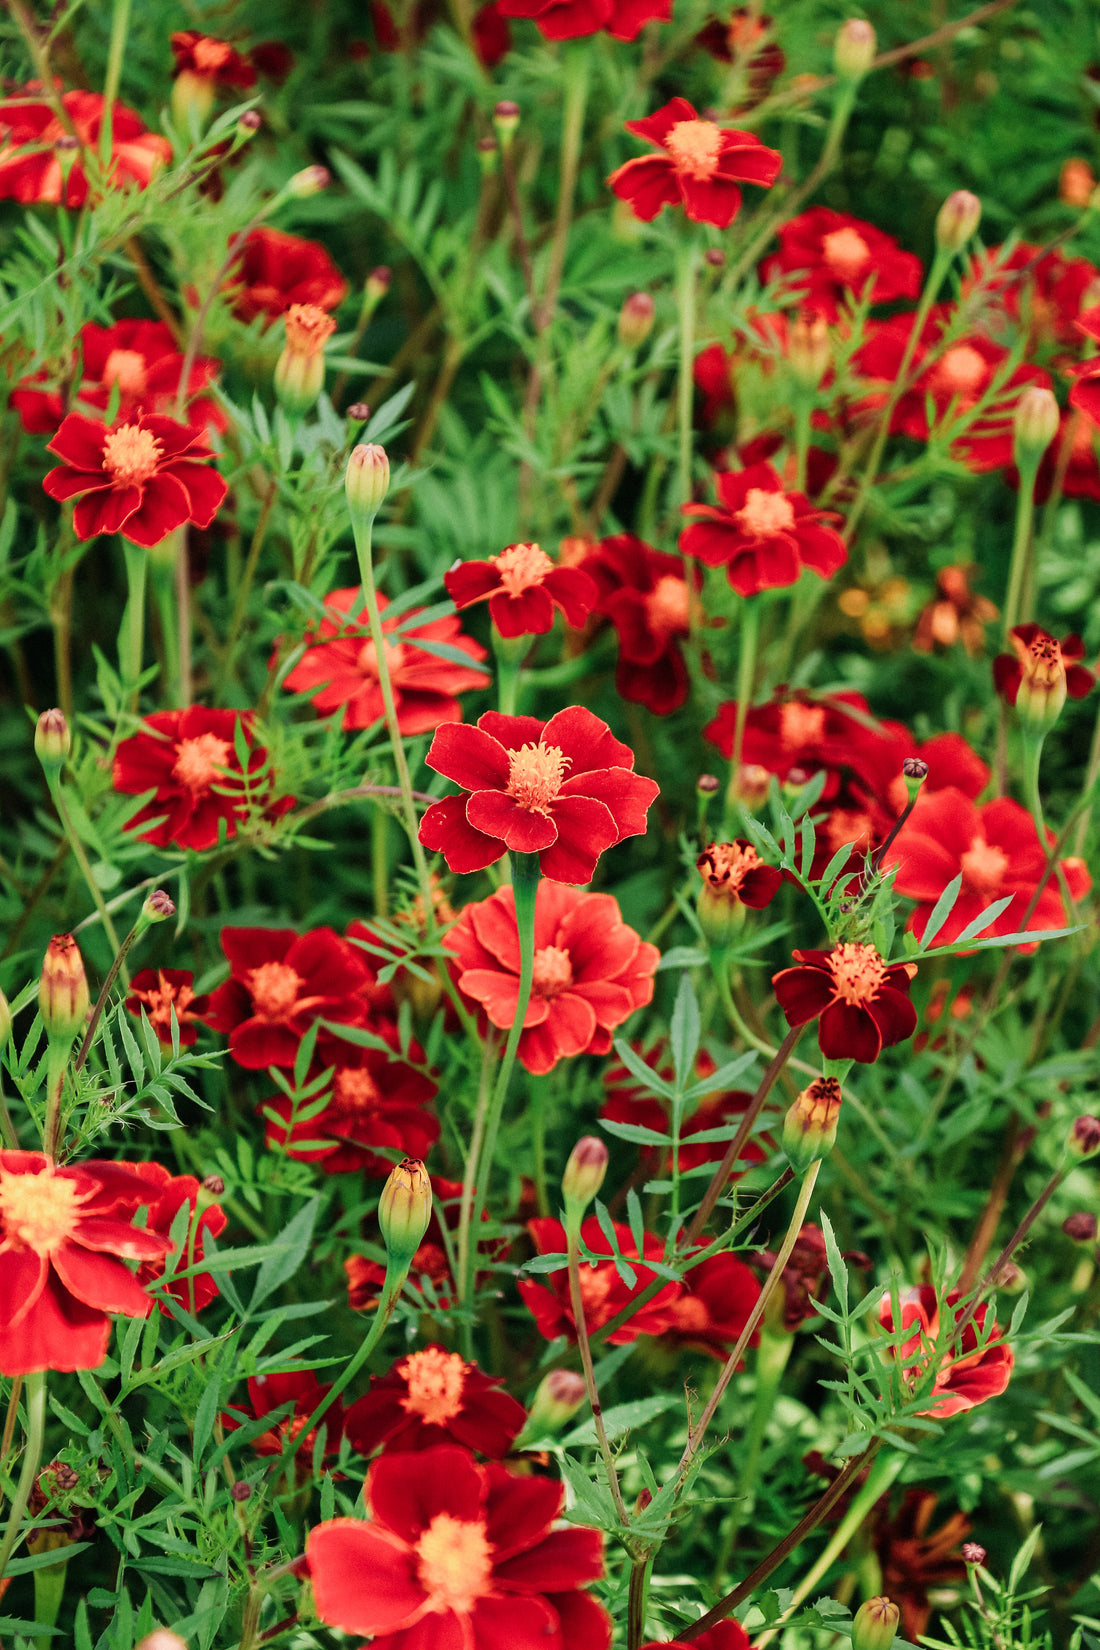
(116, 51)
(748, 643)
(685, 304)
(572, 1245)
(469, 1177)
(32, 1455)
(132, 640)
(1021, 542)
(56, 793)
(771, 1360)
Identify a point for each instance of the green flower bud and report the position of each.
(1084, 1137)
(404, 1210)
(557, 1399)
(583, 1177)
(5, 1019)
(1034, 425)
(366, 482)
(875, 1624)
(809, 1128)
(854, 49)
(63, 997)
(52, 740)
(957, 220)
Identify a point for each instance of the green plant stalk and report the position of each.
(469, 1175)
(116, 52)
(685, 306)
(57, 1058)
(771, 1361)
(57, 795)
(748, 643)
(113, 972)
(35, 1390)
(49, 1590)
(572, 1249)
(803, 413)
(577, 58)
(1033, 755)
(164, 594)
(7, 1127)
(1021, 541)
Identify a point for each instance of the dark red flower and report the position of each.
(716, 1303)
(31, 165)
(724, 1635)
(64, 1232)
(591, 970)
(159, 991)
(280, 983)
(276, 270)
(456, 1556)
(522, 587)
(627, 1102)
(189, 759)
(996, 850)
(566, 19)
(828, 257)
(763, 535)
(434, 1397)
(267, 1393)
(207, 58)
(340, 668)
(699, 168)
(914, 1558)
(806, 1270)
(863, 1002)
(970, 1373)
(563, 789)
(734, 874)
(1008, 668)
(745, 41)
(141, 478)
(170, 1194)
(645, 595)
(603, 1291)
(492, 36)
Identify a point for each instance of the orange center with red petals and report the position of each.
(846, 252)
(157, 1001)
(131, 455)
(308, 329)
(801, 724)
(962, 371)
(199, 760)
(983, 868)
(667, 606)
(521, 567)
(39, 1211)
(596, 1284)
(454, 1563)
(355, 1089)
(846, 825)
(127, 368)
(366, 660)
(696, 148)
(725, 866)
(436, 1382)
(858, 971)
(764, 514)
(209, 55)
(553, 972)
(1042, 660)
(274, 988)
(536, 774)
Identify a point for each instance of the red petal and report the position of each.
(342, 1553)
(656, 127)
(164, 507)
(444, 830)
(848, 1033)
(585, 829)
(204, 487)
(65, 482)
(531, 613)
(405, 1493)
(649, 184)
(471, 757)
(58, 1332)
(105, 510)
(100, 1281)
(23, 1276)
(500, 816)
(802, 993)
(565, 1559)
(79, 442)
(471, 581)
(514, 1624)
(714, 201)
(627, 797)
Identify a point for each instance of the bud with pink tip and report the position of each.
(957, 220)
(854, 49)
(1034, 426)
(636, 320)
(404, 1210)
(1084, 1137)
(505, 121)
(309, 181)
(63, 997)
(583, 1178)
(366, 482)
(973, 1552)
(809, 1128)
(375, 287)
(1081, 1227)
(875, 1624)
(557, 1399)
(52, 740)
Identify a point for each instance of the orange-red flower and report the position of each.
(280, 983)
(566, 19)
(142, 476)
(171, 1193)
(915, 1558)
(159, 991)
(763, 535)
(969, 1373)
(828, 257)
(434, 1397)
(591, 971)
(207, 58)
(604, 1292)
(300, 1388)
(275, 270)
(34, 165)
(1033, 649)
(522, 587)
(460, 1556)
(699, 167)
(563, 789)
(724, 1635)
(645, 595)
(715, 1304)
(863, 1002)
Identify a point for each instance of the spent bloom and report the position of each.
(699, 166)
(1039, 675)
(861, 1002)
(761, 534)
(603, 1292)
(523, 587)
(732, 875)
(568, 19)
(141, 477)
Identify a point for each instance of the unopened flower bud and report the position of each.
(714, 257)
(161, 1638)
(214, 1184)
(973, 1552)
(63, 999)
(505, 121)
(875, 1624)
(404, 1210)
(158, 907)
(300, 369)
(636, 320)
(359, 412)
(1084, 1137)
(1076, 183)
(809, 1128)
(1081, 1227)
(1034, 426)
(488, 154)
(583, 1176)
(957, 220)
(52, 740)
(309, 181)
(914, 771)
(854, 49)
(1042, 690)
(557, 1399)
(5, 1019)
(708, 784)
(1010, 1279)
(192, 98)
(250, 123)
(366, 482)
(375, 287)
(241, 1491)
(808, 350)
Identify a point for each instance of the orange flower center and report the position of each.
(536, 774)
(983, 868)
(667, 606)
(210, 55)
(355, 1089)
(725, 866)
(274, 987)
(962, 371)
(858, 971)
(846, 825)
(764, 514)
(692, 1316)
(366, 660)
(1041, 661)
(695, 147)
(131, 455)
(553, 971)
(801, 724)
(157, 1002)
(455, 1563)
(596, 1284)
(521, 566)
(436, 1381)
(199, 760)
(127, 369)
(846, 253)
(39, 1211)
(308, 329)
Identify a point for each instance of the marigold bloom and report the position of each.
(434, 1397)
(460, 1555)
(1049, 297)
(724, 1635)
(716, 1302)
(300, 1387)
(645, 595)
(341, 667)
(915, 1558)
(160, 990)
(170, 1194)
(745, 40)
(734, 874)
(863, 1002)
(522, 587)
(563, 789)
(591, 970)
(208, 58)
(280, 983)
(140, 477)
(64, 1232)
(31, 166)
(189, 759)
(699, 167)
(603, 1292)
(566, 19)
(275, 270)
(956, 614)
(762, 535)
(968, 1375)
(1044, 664)
(827, 257)
(996, 850)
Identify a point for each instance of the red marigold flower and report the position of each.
(522, 587)
(341, 667)
(141, 478)
(267, 1393)
(762, 535)
(716, 1303)
(64, 1232)
(724, 1635)
(563, 789)
(734, 873)
(996, 850)
(956, 614)
(280, 983)
(210, 59)
(1008, 668)
(566, 19)
(591, 970)
(170, 1194)
(700, 168)
(160, 990)
(31, 166)
(863, 1002)
(434, 1397)
(826, 257)
(744, 40)
(969, 1374)
(189, 758)
(276, 270)
(458, 1554)
(603, 1291)
(645, 595)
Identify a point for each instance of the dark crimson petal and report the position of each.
(470, 757)
(713, 539)
(586, 1625)
(845, 1032)
(23, 1275)
(65, 483)
(802, 993)
(104, 511)
(164, 507)
(342, 1553)
(649, 184)
(586, 741)
(520, 1510)
(444, 830)
(79, 442)
(471, 581)
(567, 1558)
(255, 1045)
(574, 591)
(247, 948)
(531, 613)
(894, 1016)
(499, 816)
(205, 488)
(759, 886)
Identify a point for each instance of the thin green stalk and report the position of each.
(771, 1361)
(57, 1058)
(685, 304)
(748, 643)
(35, 1390)
(469, 1174)
(56, 793)
(638, 1598)
(576, 64)
(1033, 755)
(116, 52)
(1021, 542)
(132, 639)
(572, 1246)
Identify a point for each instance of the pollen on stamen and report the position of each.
(131, 455)
(127, 368)
(536, 774)
(764, 514)
(455, 1563)
(983, 868)
(436, 1381)
(552, 971)
(858, 971)
(846, 252)
(521, 566)
(667, 605)
(199, 761)
(38, 1211)
(275, 988)
(696, 148)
